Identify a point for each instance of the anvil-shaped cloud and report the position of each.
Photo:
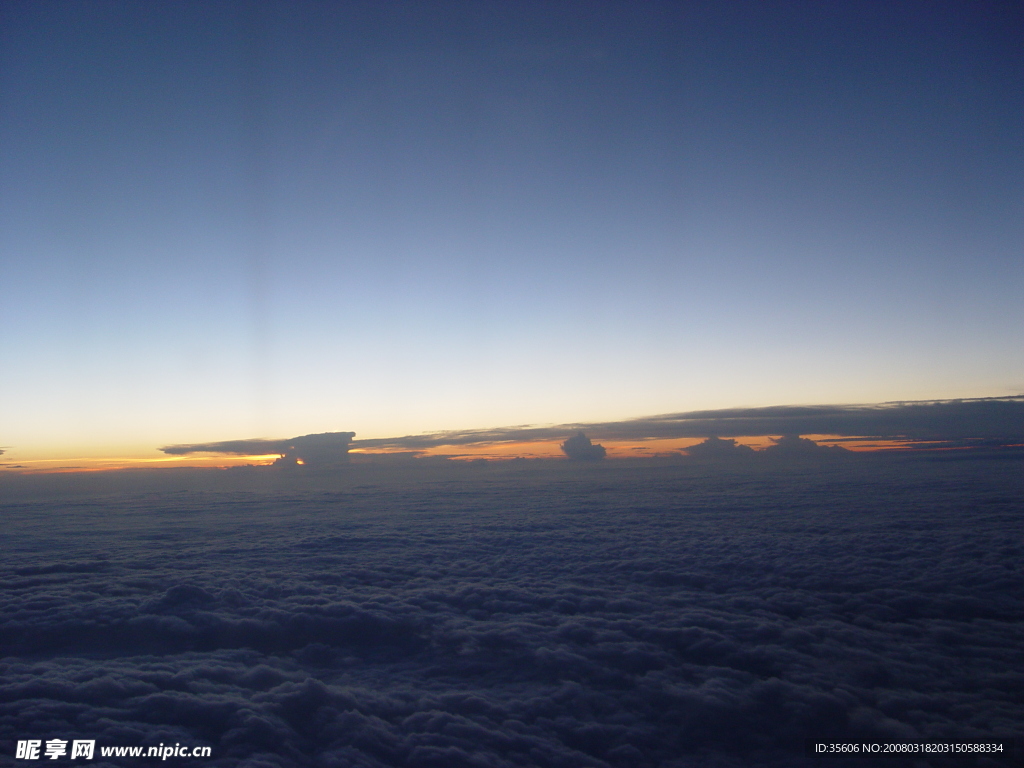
(320, 449)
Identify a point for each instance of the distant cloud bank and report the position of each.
(796, 446)
(986, 421)
(719, 448)
(976, 423)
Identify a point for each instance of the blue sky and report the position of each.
(239, 220)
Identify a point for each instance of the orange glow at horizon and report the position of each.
(862, 445)
(93, 464)
(505, 451)
(622, 449)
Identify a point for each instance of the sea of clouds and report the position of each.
(531, 614)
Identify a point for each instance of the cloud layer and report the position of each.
(794, 446)
(989, 422)
(590, 616)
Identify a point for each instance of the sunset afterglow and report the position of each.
(548, 383)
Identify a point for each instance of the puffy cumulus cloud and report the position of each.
(320, 449)
(719, 448)
(579, 448)
(663, 617)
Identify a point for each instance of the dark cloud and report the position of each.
(989, 418)
(318, 450)
(720, 448)
(796, 447)
(579, 448)
(664, 617)
(979, 422)
(254, 447)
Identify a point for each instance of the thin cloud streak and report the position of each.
(252, 447)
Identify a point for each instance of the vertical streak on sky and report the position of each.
(258, 230)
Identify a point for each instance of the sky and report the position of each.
(226, 221)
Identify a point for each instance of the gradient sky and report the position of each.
(232, 220)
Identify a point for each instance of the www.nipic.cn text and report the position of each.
(35, 749)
